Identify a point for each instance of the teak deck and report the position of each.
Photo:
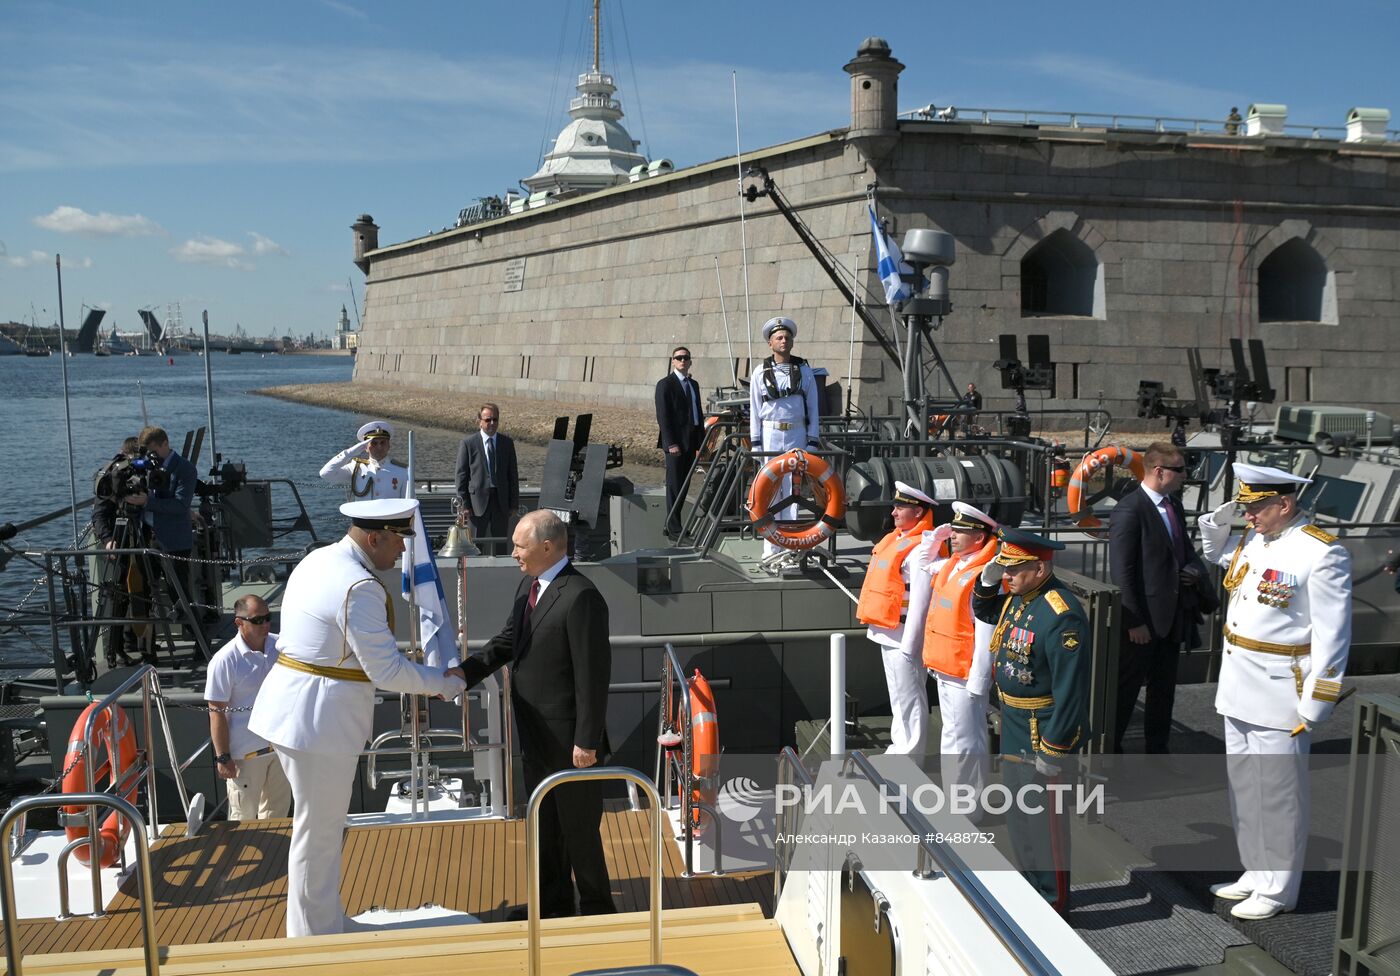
(230, 882)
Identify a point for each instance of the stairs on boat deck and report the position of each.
(710, 941)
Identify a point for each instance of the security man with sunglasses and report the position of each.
(316, 706)
(257, 787)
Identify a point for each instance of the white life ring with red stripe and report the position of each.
(113, 729)
(764, 491)
(1092, 464)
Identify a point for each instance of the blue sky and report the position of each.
(215, 154)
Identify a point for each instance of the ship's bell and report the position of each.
(459, 543)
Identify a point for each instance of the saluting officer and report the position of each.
(783, 409)
(957, 646)
(1041, 669)
(1287, 637)
(316, 706)
(894, 622)
(366, 467)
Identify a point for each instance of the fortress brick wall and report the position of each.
(1170, 232)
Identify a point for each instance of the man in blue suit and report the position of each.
(169, 507)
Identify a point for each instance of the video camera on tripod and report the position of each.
(125, 476)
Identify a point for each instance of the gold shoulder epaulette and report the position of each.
(1321, 535)
(1057, 602)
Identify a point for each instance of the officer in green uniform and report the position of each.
(1040, 663)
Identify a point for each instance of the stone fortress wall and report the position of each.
(1125, 247)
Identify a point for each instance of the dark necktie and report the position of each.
(695, 418)
(491, 465)
(1177, 531)
(530, 603)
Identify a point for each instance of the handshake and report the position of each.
(456, 680)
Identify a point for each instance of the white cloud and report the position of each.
(74, 220)
(211, 250)
(24, 260)
(1130, 87)
(265, 245)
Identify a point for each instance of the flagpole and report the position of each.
(743, 227)
(416, 781)
(733, 365)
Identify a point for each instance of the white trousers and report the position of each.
(321, 783)
(963, 745)
(260, 790)
(783, 440)
(1268, 773)
(905, 677)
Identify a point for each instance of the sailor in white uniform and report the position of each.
(1287, 637)
(365, 467)
(956, 646)
(316, 707)
(783, 408)
(895, 617)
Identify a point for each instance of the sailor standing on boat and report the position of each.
(783, 409)
(365, 467)
(1041, 665)
(1287, 638)
(895, 621)
(317, 706)
(957, 646)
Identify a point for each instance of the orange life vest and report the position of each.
(949, 634)
(884, 598)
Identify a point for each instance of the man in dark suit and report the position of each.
(556, 642)
(169, 512)
(488, 483)
(681, 429)
(1152, 561)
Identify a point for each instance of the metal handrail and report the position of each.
(14, 958)
(532, 855)
(673, 676)
(1004, 926)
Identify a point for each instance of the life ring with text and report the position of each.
(114, 729)
(704, 740)
(1093, 463)
(714, 436)
(763, 494)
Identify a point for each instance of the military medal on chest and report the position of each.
(1276, 588)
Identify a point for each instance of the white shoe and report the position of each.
(1233, 891)
(1256, 907)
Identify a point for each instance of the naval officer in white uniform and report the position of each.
(891, 608)
(783, 408)
(1287, 637)
(316, 707)
(365, 466)
(956, 646)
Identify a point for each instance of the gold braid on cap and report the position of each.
(1247, 494)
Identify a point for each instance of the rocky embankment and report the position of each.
(528, 421)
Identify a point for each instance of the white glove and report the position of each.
(939, 535)
(992, 573)
(361, 445)
(455, 686)
(1045, 767)
(1224, 514)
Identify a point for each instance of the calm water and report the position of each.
(272, 437)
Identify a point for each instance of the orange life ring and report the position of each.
(1094, 462)
(714, 435)
(762, 493)
(704, 740)
(113, 728)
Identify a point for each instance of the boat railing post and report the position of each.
(18, 810)
(837, 727)
(532, 857)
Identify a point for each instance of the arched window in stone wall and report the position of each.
(1295, 285)
(1061, 276)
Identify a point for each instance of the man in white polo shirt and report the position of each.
(257, 787)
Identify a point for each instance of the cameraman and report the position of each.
(117, 528)
(169, 504)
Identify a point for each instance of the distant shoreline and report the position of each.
(528, 421)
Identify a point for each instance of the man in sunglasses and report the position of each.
(1152, 560)
(680, 420)
(317, 705)
(257, 787)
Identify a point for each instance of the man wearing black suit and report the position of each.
(556, 642)
(679, 418)
(487, 481)
(1152, 561)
